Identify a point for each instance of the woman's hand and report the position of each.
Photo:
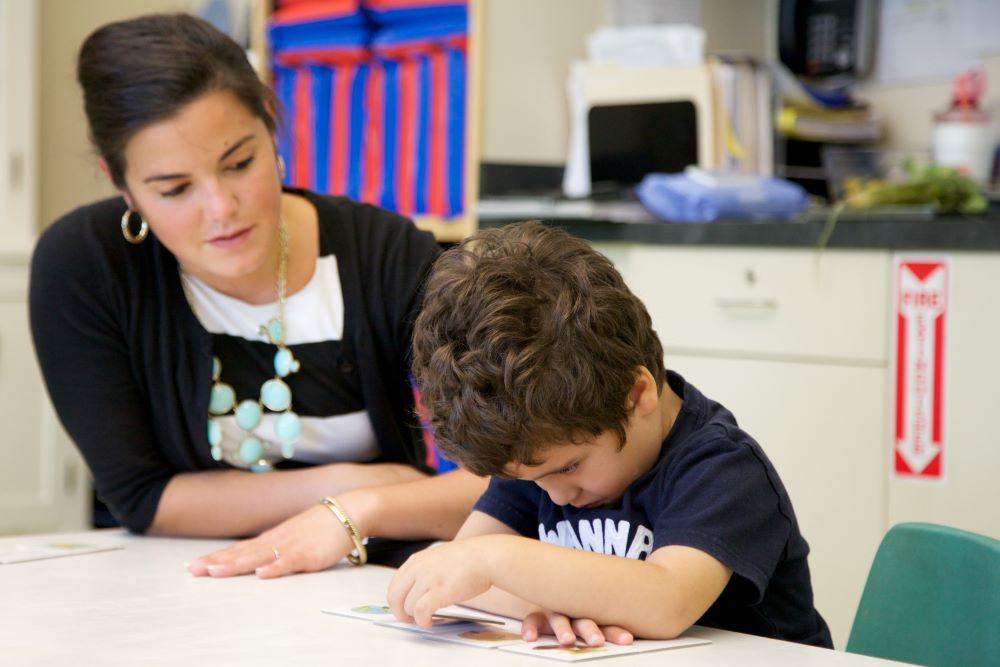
(567, 629)
(310, 541)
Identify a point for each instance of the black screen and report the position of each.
(628, 141)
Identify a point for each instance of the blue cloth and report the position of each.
(713, 489)
(687, 198)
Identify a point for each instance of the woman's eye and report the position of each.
(243, 164)
(173, 192)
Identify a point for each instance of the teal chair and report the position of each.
(932, 598)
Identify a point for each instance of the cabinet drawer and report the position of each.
(787, 302)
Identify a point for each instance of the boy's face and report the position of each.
(589, 474)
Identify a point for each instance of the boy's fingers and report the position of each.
(562, 629)
(617, 635)
(399, 587)
(588, 631)
(532, 626)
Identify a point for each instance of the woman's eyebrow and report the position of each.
(229, 151)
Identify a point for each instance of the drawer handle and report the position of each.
(747, 304)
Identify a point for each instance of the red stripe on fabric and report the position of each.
(384, 5)
(340, 107)
(372, 167)
(438, 135)
(313, 10)
(900, 376)
(406, 132)
(301, 175)
(938, 397)
(320, 56)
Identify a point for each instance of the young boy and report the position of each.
(538, 366)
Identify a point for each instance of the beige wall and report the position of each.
(68, 171)
(530, 44)
(908, 110)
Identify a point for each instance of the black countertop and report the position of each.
(900, 229)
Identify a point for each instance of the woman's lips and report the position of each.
(230, 240)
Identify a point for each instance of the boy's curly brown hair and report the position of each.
(528, 337)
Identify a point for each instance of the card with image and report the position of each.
(449, 620)
(549, 648)
(481, 636)
(366, 612)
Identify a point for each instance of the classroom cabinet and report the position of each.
(799, 344)
(43, 482)
(968, 494)
(794, 342)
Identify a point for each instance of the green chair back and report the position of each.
(932, 598)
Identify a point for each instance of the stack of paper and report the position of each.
(461, 626)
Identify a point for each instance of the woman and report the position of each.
(225, 352)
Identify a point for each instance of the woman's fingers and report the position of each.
(307, 542)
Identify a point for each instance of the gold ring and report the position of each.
(277, 554)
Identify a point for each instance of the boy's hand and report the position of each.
(566, 629)
(438, 577)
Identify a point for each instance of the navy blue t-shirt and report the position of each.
(711, 488)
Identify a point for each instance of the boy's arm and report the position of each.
(658, 598)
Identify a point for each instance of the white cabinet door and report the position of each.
(795, 343)
(43, 483)
(18, 121)
(823, 428)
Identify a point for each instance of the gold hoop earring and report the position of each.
(127, 231)
(281, 168)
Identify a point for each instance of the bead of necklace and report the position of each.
(254, 451)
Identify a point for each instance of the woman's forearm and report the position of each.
(428, 508)
(236, 503)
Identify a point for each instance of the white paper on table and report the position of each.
(27, 551)
(549, 648)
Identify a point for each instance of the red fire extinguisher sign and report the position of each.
(921, 305)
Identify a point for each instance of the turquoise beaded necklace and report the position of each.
(253, 451)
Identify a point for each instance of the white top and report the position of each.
(139, 605)
(314, 314)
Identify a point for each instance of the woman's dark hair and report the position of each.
(141, 71)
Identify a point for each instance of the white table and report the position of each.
(139, 605)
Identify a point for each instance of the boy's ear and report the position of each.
(643, 397)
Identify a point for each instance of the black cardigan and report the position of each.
(128, 365)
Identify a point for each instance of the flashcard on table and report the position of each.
(27, 551)
(367, 612)
(447, 622)
(549, 648)
(479, 635)
(381, 614)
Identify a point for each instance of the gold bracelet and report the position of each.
(360, 555)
